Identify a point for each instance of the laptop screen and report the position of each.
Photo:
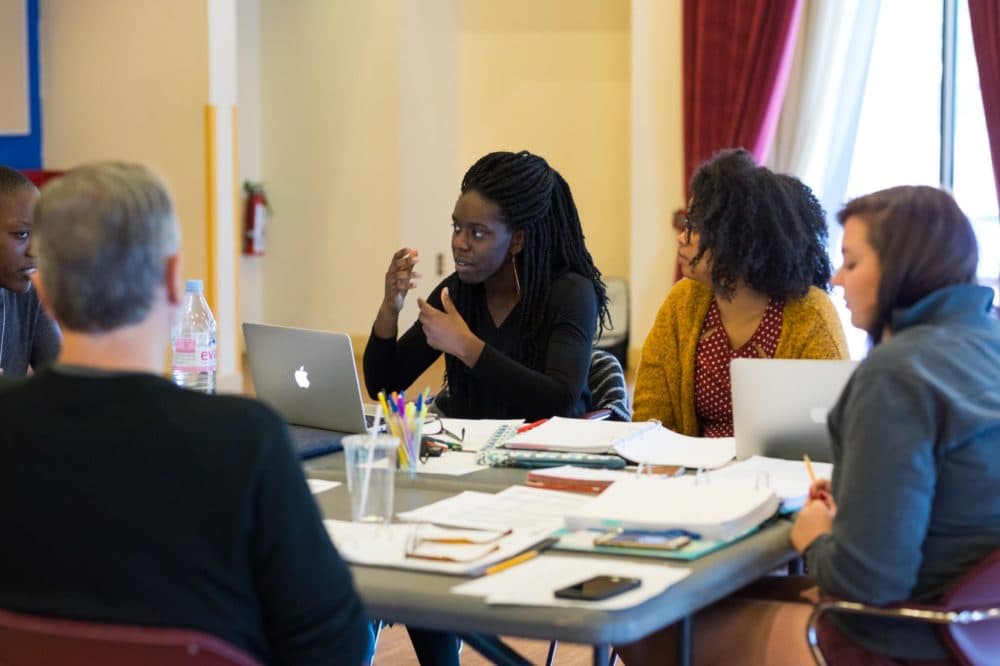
(310, 377)
(780, 406)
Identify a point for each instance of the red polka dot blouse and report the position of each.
(712, 389)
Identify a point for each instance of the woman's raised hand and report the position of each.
(399, 279)
(447, 331)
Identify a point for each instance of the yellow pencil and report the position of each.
(514, 561)
(809, 467)
(523, 557)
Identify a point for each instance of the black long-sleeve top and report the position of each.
(498, 386)
(129, 500)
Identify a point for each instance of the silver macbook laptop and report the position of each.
(311, 379)
(780, 406)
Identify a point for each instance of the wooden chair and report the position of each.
(32, 640)
(968, 615)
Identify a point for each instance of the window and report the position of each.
(901, 137)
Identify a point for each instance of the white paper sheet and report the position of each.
(578, 435)
(583, 473)
(716, 511)
(659, 446)
(789, 479)
(515, 507)
(477, 431)
(450, 463)
(534, 582)
(316, 486)
(387, 545)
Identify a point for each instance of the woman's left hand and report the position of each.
(447, 332)
(814, 520)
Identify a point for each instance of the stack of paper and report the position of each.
(426, 548)
(577, 435)
(714, 511)
(644, 442)
(517, 507)
(659, 446)
(789, 479)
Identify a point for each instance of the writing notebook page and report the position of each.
(514, 507)
(660, 446)
(576, 435)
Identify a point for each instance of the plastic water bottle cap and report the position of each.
(195, 286)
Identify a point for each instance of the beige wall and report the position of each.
(15, 103)
(330, 158)
(129, 81)
(553, 77)
(368, 113)
(372, 109)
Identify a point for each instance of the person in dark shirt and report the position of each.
(130, 500)
(28, 337)
(516, 320)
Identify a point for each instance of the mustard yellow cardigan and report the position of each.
(664, 388)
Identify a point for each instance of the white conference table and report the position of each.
(424, 600)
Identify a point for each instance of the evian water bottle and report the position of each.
(193, 343)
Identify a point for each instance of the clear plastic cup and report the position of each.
(371, 472)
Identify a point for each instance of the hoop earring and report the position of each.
(517, 282)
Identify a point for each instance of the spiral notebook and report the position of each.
(495, 454)
(645, 442)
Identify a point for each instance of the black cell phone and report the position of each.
(598, 587)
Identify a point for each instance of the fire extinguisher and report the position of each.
(254, 219)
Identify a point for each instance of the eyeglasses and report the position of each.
(435, 431)
(426, 542)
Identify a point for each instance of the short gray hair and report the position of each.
(101, 234)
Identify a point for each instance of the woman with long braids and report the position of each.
(754, 253)
(516, 320)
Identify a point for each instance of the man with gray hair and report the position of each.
(129, 500)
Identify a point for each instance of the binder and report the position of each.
(718, 512)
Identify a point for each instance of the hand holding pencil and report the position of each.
(820, 489)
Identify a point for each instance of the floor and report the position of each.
(394, 648)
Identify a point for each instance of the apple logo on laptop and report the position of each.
(302, 377)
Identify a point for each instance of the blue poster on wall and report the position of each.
(20, 141)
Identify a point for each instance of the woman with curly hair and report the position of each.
(754, 255)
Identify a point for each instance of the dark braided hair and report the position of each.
(535, 199)
(762, 228)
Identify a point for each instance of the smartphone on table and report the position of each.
(598, 587)
(667, 540)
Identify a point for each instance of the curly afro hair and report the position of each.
(760, 228)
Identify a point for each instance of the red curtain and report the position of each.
(985, 15)
(40, 176)
(737, 57)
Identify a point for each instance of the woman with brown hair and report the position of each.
(914, 501)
